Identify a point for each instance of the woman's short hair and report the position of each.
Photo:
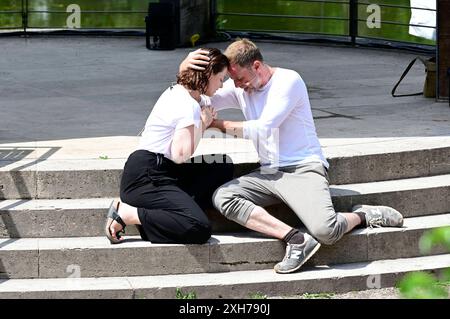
(198, 80)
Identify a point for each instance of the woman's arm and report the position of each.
(186, 139)
(183, 144)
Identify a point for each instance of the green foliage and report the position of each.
(435, 237)
(221, 24)
(258, 295)
(422, 285)
(445, 277)
(318, 296)
(189, 295)
(104, 157)
(194, 38)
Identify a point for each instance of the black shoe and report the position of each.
(113, 215)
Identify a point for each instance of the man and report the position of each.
(293, 170)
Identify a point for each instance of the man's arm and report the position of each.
(196, 60)
(229, 127)
(286, 97)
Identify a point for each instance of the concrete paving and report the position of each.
(86, 97)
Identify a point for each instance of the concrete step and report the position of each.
(96, 178)
(86, 217)
(389, 166)
(238, 284)
(96, 257)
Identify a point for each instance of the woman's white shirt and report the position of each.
(175, 109)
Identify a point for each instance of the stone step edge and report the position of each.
(240, 284)
(8, 244)
(50, 181)
(408, 184)
(241, 157)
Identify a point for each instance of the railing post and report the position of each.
(213, 15)
(448, 80)
(443, 49)
(353, 20)
(25, 16)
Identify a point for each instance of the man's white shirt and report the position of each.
(278, 119)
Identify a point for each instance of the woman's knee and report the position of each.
(199, 233)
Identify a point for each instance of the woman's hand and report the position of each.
(196, 60)
(207, 115)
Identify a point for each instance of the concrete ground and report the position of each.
(74, 99)
(86, 97)
(382, 293)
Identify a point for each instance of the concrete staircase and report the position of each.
(52, 215)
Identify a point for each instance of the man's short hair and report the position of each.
(243, 52)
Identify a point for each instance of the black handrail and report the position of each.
(284, 16)
(353, 21)
(87, 11)
(395, 6)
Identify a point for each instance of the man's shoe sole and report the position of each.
(304, 261)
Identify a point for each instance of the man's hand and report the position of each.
(196, 60)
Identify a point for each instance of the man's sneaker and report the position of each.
(380, 216)
(297, 254)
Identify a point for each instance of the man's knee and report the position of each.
(327, 235)
(232, 205)
(223, 199)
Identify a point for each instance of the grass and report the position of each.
(189, 295)
(257, 295)
(323, 295)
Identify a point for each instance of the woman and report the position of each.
(161, 193)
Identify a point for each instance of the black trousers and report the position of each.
(170, 197)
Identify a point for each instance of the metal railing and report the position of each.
(350, 20)
(27, 11)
